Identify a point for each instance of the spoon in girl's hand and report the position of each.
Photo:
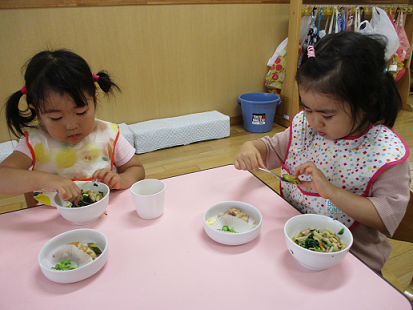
(286, 177)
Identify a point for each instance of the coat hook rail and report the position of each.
(329, 9)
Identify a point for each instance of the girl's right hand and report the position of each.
(318, 183)
(66, 188)
(248, 158)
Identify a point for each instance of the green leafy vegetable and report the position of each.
(315, 240)
(311, 243)
(88, 197)
(227, 229)
(64, 265)
(341, 231)
(95, 249)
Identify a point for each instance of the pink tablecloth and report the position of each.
(170, 262)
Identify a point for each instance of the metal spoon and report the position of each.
(293, 181)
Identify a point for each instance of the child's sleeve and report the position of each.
(124, 151)
(277, 148)
(23, 148)
(390, 194)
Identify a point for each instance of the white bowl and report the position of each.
(311, 259)
(83, 235)
(233, 238)
(87, 214)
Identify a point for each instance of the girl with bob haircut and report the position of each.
(352, 166)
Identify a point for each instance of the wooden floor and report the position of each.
(204, 155)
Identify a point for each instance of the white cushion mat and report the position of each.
(6, 148)
(181, 130)
(127, 133)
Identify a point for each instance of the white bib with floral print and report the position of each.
(352, 163)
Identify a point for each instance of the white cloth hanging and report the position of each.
(333, 21)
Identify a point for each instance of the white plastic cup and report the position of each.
(149, 198)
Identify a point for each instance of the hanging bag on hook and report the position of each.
(396, 65)
(365, 27)
(341, 20)
(276, 75)
(404, 48)
(349, 19)
(381, 24)
(312, 37)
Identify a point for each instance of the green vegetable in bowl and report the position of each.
(87, 197)
(341, 231)
(64, 265)
(319, 241)
(227, 229)
(95, 248)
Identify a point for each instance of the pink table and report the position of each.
(170, 262)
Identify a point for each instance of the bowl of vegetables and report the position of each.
(232, 222)
(95, 199)
(316, 241)
(73, 255)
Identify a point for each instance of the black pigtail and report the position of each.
(105, 82)
(17, 119)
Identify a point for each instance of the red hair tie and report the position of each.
(24, 90)
(95, 77)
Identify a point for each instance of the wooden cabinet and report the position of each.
(289, 92)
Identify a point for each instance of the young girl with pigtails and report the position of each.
(352, 166)
(60, 139)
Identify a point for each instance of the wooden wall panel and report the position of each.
(19, 4)
(169, 60)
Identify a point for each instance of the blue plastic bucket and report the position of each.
(258, 110)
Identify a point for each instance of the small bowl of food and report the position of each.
(232, 222)
(73, 255)
(95, 199)
(316, 241)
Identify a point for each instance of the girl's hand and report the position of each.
(355, 206)
(318, 182)
(66, 188)
(248, 157)
(110, 178)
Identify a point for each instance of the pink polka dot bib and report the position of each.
(351, 163)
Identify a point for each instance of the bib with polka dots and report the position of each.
(351, 163)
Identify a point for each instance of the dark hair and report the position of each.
(61, 71)
(351, 67)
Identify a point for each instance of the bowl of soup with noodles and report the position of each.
(317, 242)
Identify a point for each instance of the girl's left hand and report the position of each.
(110, 178)
(318, 182)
